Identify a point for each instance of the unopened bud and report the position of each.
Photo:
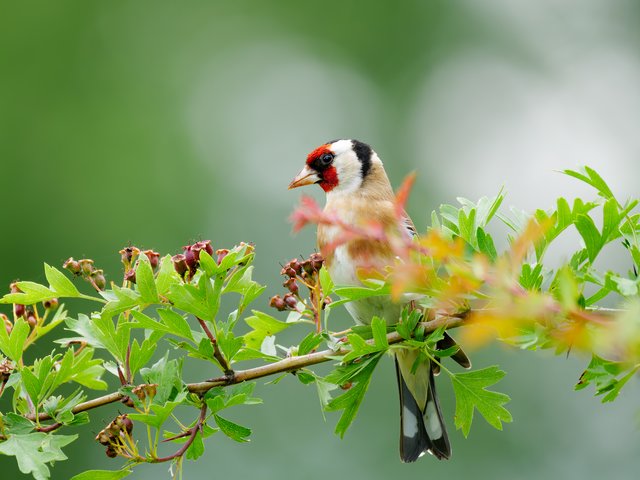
(291, 301)
(129, 254)
(191, 256)
(326, 301)
(123, 422)
(111, 453)
(130, 276)
(316, 261)
(18, 310)
(98, 279)
(278, 303)
(51, 303)
(295, 265)
(103, 438)
(180, 264)
(31, 319)
(72, 266)
(154, 258)
(291, 285)
(288, 271)
(221, 253)
(86, 266)
(307, 267)
(7, 323)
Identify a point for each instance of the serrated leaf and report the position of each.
(34, 450)
(102, 475)
(471, 394)
(59, 282)
(31, 293)
(12, 345)
(309, 343)
(146, 282)
(351, 400)
(590, 234)
(176, 323)
(379, 330)
(232, 430)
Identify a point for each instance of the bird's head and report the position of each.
(337, 166)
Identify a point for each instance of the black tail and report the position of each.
(421, 430)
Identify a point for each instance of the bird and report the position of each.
(358, 192)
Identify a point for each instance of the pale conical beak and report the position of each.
(306, 176)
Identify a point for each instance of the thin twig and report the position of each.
(216, 349)
(286, 365)
(193, 431)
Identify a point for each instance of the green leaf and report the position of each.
(34, 450)
(590, 234)
(145, 282)
(471, 394)
(167, 374)
(309, 343)
(325, 281)
(60, 283)
(12, 345)
(208, 264)
(350, 401)
(196, 449)
(604, 374)
(176, 323)
(31, 293)
(486, 245)
(102, 475)
(232, 430)
(263, 326)
(379, 330)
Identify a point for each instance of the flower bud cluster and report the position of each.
(113, 435)
(146, 391)
(130, 259)
(295, 272)
(187, 263)
(85, 268)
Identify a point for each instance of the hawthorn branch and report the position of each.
(289, 364)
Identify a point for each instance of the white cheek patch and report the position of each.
(409, 423)
(341, 146)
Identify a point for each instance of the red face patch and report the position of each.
(317, 152)
(329, 179)
(328, 174)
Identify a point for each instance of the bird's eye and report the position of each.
(326, 159)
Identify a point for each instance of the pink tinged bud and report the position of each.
(7, 323)
(50, 304)
(31, 319)
(154, 258)
(192, 256)
(295, 265)
(316, 261)
(288, 271)
(291, 301)
(130, 276)
(291, 285)
(206, 246)
(221, 253)
(72, 266)
(278, 303)
(180, 264)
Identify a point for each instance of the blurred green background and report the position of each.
(160, 123)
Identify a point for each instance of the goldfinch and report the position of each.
(358, 192)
